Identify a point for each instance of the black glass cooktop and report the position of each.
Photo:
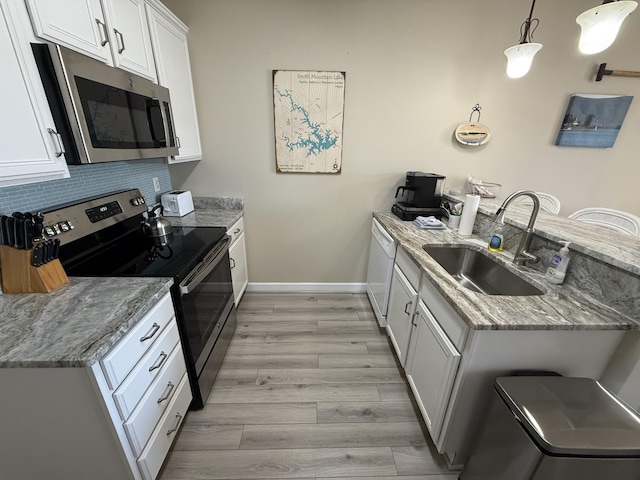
(132, 254)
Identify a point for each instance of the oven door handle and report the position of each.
(205, 267)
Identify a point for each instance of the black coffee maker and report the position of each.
(423, 196)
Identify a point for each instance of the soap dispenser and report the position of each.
(558, 268)
(496, 242)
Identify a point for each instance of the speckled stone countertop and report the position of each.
(76, 324)
(211, 212)
(560, 308)
(601, 243)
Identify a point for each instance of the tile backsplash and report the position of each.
(88, 181)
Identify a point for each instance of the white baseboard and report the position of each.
(301, 287)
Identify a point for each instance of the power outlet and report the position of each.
(156, 184)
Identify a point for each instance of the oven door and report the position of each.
(206, 294)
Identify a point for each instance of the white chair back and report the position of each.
(548, 203)
(615, 219)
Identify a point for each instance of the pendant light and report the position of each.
(520, 57)
(600, 25)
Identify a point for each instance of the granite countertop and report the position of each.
(601, 243)
(76, 324)
(560, 308)
(211, 212)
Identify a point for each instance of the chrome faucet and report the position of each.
(522, 253)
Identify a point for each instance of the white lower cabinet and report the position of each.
(151, 459)
(70, 423)
(403, 300)
(238, 260)
(152, 378)
(431, 368)
(402, 305)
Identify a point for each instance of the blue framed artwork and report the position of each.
(593, 120)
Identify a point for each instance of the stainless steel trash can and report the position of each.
(552, 428)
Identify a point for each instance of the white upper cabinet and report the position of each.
(171, 53)
(130, 41)
(31, 150)
(114, 31)
(76, 24)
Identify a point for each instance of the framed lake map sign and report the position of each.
(593, 120)
(308, 109)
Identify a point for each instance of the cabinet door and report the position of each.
(30, 150)
(75, 24)
(129, 33)
(431, 369)
(402, 306)
(171, 53)
(239, 275)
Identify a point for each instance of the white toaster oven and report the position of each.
(177, 203)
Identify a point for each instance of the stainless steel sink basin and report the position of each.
(477, 271)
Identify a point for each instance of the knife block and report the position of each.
(19, 276)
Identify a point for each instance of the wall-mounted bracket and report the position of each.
(602, 71)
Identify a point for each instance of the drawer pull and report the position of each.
(163, 356)
(406, 307)
(170, 387)
(175, 427)
(154, 330)
(233, 263)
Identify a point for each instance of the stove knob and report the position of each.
(49, 231)
(56, 229)
(70, 225)
(135, 202)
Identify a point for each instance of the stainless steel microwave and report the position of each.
(102, 113)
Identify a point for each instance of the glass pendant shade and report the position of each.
(519, 58)
(600, 25)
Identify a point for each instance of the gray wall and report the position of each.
(414, 69)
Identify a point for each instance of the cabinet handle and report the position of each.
(58, 138)
(236, 231)
(175, 427)
(178, 144)
(163, 356)
(104, 36)
(170, 387)
(413, 318)
(154, 330)
(233, 263)
(406, 307)
(120, 43)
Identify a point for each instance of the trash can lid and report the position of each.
(572, 416)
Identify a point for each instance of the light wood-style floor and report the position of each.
(309, 389)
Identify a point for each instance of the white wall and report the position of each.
(414, 69)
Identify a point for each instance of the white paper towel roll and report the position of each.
(468, 217)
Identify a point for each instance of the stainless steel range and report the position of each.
(103, 236)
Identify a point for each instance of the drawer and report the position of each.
(236, 230)
(146, 415)
(154, 453)
(117, 364)
(129, 393)
(408, 267)
(448, 319)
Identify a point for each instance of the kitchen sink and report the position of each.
(477, 271)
